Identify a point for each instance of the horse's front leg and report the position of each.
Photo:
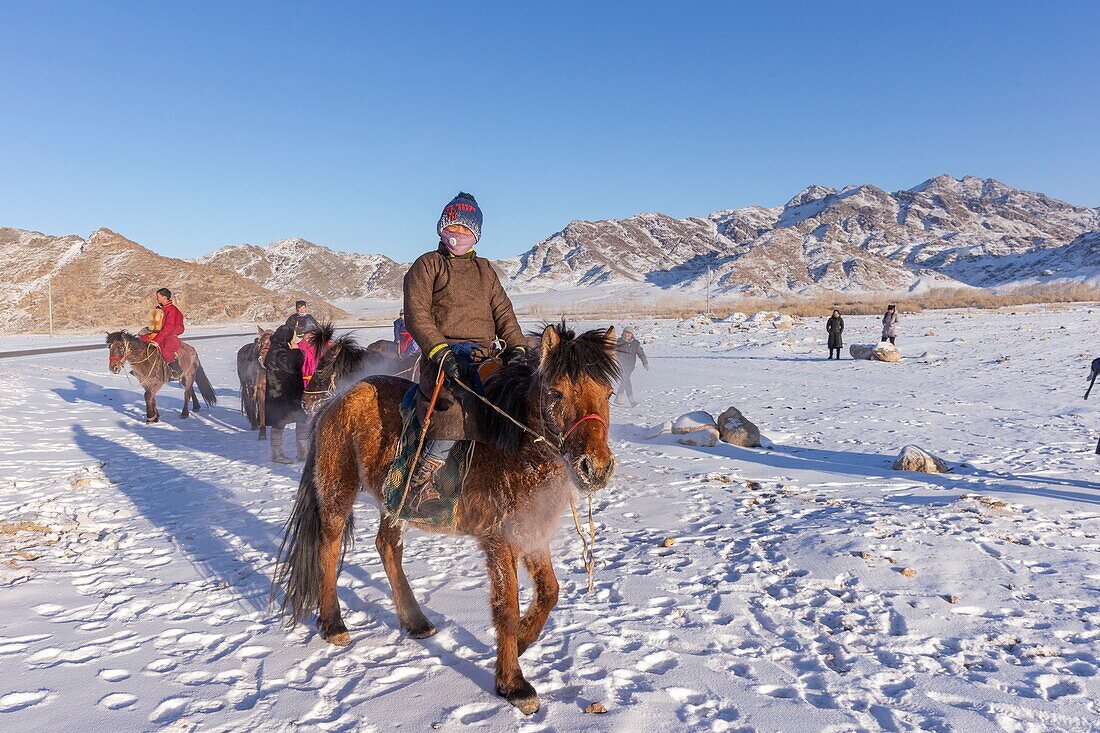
(501, 559)
(541, 570)
(261, 406)
(390, 548)
(151, 414)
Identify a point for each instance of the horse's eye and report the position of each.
(555, 394)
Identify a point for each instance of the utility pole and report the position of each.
(49, 297)
(709, 314)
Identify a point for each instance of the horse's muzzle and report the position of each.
(591, 474)
(114, 368)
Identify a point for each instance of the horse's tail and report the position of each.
(205, 388)
(298, 569)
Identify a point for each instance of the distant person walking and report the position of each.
(890, 323)
(628, 350)
(302, 321)
(284, 394)
(167, 337)
(835, 327)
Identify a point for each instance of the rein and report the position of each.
(530, 431)
(150, 352)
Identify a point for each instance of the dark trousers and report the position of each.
(888, 338)
(831, 353)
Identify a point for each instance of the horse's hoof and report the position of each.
(522, 697)
(183, 416)
(340, 638)
(151, 420)
(422, 632)
(336, 634)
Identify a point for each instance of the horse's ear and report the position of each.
(260, 329)
(609, 337)
(549, 341)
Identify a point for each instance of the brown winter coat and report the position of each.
(452, 299)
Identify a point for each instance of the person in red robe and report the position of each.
(167, 339)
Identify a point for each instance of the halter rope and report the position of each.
(588, 544)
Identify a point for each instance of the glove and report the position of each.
(447, 363)
(513, 352)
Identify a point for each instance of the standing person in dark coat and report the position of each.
(284, 394)
(890, 323)
(835, 327)
(628, 350)
(302, 321)
(455, 308)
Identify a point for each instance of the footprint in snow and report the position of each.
(14, 701)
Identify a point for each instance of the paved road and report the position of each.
(101, 345)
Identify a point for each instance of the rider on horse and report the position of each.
(453, 298)
(167, 338)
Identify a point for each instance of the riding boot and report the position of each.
(301, 438)
(175, 371)
(277, 455)
(423, 498)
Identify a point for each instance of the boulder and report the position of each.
(689, 422)
(862, 351)
(735, 429)
(914, 458)
(705, 437)
(886, 351)
(783, 321)
(883, 351)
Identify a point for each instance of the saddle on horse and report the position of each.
(433, 503)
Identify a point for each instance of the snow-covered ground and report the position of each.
(135, 560)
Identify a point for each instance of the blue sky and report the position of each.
(187, 126)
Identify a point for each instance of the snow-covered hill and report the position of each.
(295, 264)
(108, 280)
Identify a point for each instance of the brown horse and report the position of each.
(253, 378)
(401, 365)
(343, 361)
(517, 487)
(152, 371)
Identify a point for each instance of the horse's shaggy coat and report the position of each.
(515, 492)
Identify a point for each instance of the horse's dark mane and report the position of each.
(324, 333)
(509, 391)
(587, 355)
(123, 335)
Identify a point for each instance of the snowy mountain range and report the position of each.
(944, 232)
(108, 281)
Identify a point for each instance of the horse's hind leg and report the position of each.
(188, 382)
(390, 548)
(541, 570)
(335, 524)
(504, 602)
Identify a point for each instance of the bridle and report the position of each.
(113, 360)
(539, 437)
